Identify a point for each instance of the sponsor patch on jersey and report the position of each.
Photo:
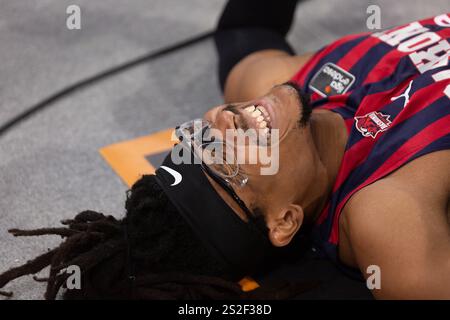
(372, 123)
(331, 80)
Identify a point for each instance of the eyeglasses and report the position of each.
(207, 144)
(217, 159)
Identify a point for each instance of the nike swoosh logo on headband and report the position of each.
(176, 175)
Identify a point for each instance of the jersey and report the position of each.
(392, 88)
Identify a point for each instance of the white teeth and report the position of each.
(256, 114)
(263, 111)
(250, 109)
(261, 116)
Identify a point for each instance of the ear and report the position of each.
(285, 224)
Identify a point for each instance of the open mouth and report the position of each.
(261, 118)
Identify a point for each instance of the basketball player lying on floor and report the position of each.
(364, 169)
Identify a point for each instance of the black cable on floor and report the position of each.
(41, 105)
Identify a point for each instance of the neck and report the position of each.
(330, 136)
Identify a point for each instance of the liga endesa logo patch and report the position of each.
(331, 80)
(372, 123)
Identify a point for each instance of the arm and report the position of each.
(401, 225)
(257, 73)
(252, 47)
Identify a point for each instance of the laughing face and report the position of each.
(280, 196)
(280, 109)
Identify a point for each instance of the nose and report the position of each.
(224, 120)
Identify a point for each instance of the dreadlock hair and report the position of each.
(152, 253)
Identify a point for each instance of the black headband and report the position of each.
(237, 243)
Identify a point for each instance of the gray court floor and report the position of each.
(50, 167)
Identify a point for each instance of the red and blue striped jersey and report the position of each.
(392, 88)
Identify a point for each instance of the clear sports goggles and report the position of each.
(192, 135)
(217, 157)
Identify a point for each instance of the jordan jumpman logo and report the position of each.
(404, 94)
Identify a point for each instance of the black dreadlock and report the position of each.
(150, 254)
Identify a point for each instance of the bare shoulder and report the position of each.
(423, 183)
(426, 179)
(257, 73)
(401, 224)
